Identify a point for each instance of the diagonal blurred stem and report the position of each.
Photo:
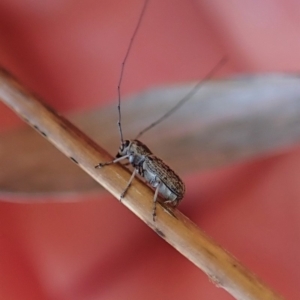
(222, 268)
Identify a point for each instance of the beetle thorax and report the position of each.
(135, 150)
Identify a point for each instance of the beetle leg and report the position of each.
(128, 184)
(173, 203)
(154, 202)
(100, 165)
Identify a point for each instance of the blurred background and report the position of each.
(70, 53)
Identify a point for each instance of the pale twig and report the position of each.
(222, 268)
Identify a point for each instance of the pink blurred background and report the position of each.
(70, 53)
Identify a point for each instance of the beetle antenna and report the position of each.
(123, 66)
(192, 92)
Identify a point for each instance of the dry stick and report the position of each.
(224, 270)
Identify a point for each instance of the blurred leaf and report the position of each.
(226, 121)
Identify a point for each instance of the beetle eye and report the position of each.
(123, 146)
